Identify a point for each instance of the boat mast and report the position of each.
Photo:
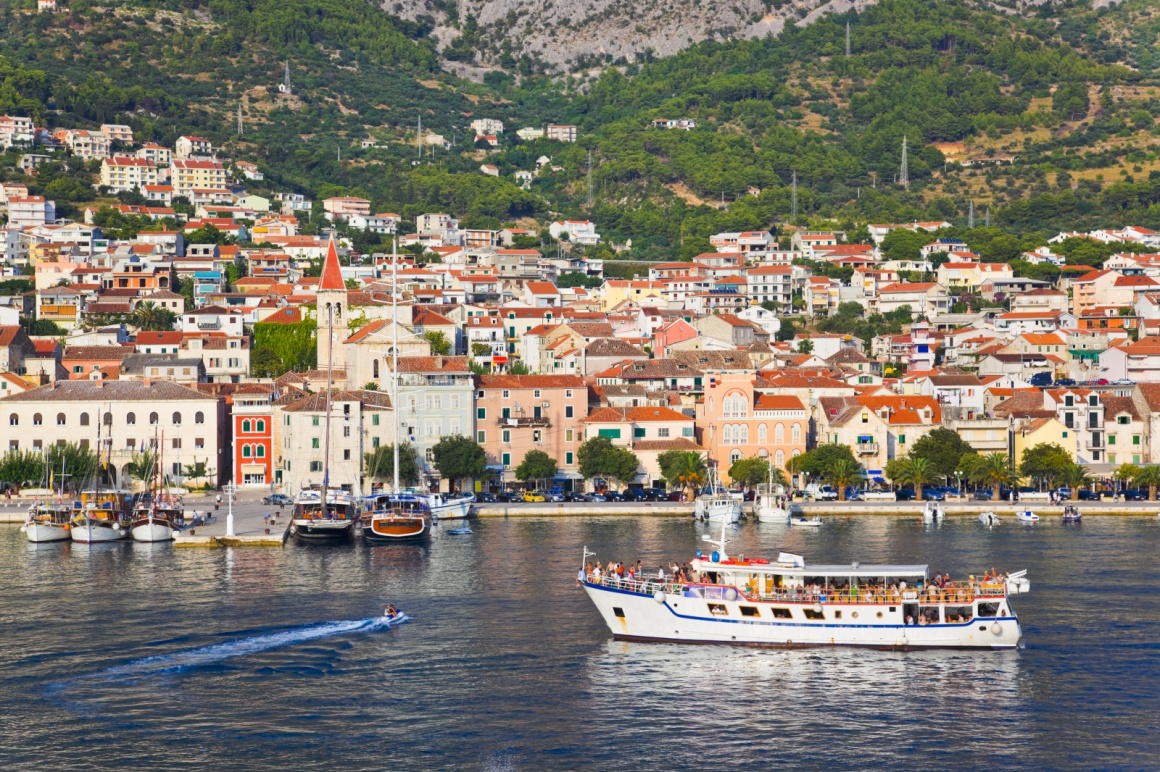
(395, 355)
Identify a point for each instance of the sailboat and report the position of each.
(325, 512)
(766, 506)
(157, 515)
(49, 522)
(398, 516)
(714, 504)
(102, 516)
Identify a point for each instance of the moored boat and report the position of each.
(48, 523)
(1072, 515)
(1026, 516)
(102, 517)
(316, 518)
(767, 503)
(714, 504)
(397, 517)
(789, 603)
(157, 520)
(989, 519)
(933, 513)
(806, 522)
(444, 507)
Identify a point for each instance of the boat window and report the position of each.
(988, 609)
(814, 614)
(749, 611)
(955, 615)
(928, 613)
(718, 609)
(782, 613)
(619, 612)
(837, 613)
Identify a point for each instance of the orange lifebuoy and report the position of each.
(760, 561)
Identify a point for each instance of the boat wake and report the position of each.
(178, 661)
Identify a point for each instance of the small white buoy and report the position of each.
(659, 596)
(996, 628)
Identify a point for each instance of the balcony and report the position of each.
(523, 421)
(867, 448)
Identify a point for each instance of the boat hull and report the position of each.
(99, 533)
(321, 530)
(718, 512)
(457, 509)
(386, 531)
(674, 618)
(42, 533)
(157, 530)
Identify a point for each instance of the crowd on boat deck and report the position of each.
(613, 570)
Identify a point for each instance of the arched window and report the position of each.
(245, 451)
(742, 406)
(743, 439)
(261, 451)
(84, 419)
(107, 420)
(153, 419)
(245, 426)
(131, 418)
(762, 435)
(177, 418)
(261, 427)
(779, 434)
(199, 417)
(37, 419)
(779, 458)
(375, 368)
(727, 434)
(14, 420)
(795, 453)
(795, 433)
(337, 310)
(734, 457)
(60, 419)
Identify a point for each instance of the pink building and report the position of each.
(736, 421)
(518, 413)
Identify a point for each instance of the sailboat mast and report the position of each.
(395, 354)
(326, 439)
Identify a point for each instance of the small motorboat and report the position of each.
(1072, 515)
(1026, 516)
(459, 531)
(933, 513)
(806, 522)
(989, 519)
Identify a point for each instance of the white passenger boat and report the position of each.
(47, 523)
(1027, 516)
(449, 507)
(789, 603)
(989, 519)
(933, 513)
(714, 504)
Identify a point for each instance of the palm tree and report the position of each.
(149, 316)
(916, 472)
(142, 465)
(1150, 476)
(995, 472)
(843, 472)
(1075, 476)
(687, 469)
(1125, 473)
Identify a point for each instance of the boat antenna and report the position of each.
(719, 543)
(395, 354)
(587, 554)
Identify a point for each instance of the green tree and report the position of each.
(943, 449)
(749, 472)
(537, 465)
(22, 467)
(71, 466)
(198, 470)
(598, 457)
(518, 368)
(994, 471)
(380, 463)
(843, 473)
(265, 363)
(1075, 476)
(805, 346)
(149, 316)
(459, 457)
(1044, 462)
(916, 471)
(904, 244)
(1148, 477)
(143, 466)
(684, 468)
(439, 343)
(817, 461)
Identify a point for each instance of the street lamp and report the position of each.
(959, 481)
(230, 489)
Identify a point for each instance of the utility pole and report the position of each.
(419, 137)
(971, 215)
(286, 80)
(847, 38)
(904, 171)
(240, 128)
(793, 198)
(987, 218)
(590, 177)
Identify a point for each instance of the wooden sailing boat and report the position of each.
(326, 513)
(397, 516)
(157, 515)
(102, 516)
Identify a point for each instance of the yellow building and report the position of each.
(1038, 431)
(615, 291)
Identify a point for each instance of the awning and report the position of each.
(568, 476)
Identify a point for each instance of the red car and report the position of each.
(1102, 382)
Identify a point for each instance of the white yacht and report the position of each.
(715, 504)
(767, 504)
(790, 603)
(933, 512)
(443, 507)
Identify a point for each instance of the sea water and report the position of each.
(143, 656)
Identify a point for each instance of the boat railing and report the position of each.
(642, 586)
(955, 593)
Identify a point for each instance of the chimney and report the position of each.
(147, 382)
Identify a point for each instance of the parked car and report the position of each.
(611, 495)
(1123, 382)
(1065, 382)
(933, 494)
(983, 494)
(904, 494)
(1102, 382)
(674, 496)
(1135, 494)
(594, 497)
(1086, 495)
(485, 497)
(533, 497)
(556, 496)
(280, 499)
(1040, 380)
(823, 493)
(507, 497)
